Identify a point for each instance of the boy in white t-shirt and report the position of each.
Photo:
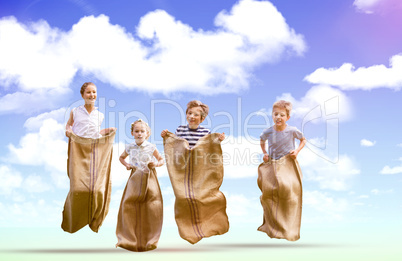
(280, 176)
(280, 136)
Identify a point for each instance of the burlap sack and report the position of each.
(196, 175)
(281, 184)
(139, 223)
(88, 167)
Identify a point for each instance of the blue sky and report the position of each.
(340, 63)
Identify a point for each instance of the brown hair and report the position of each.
(283, 105)
(84, 86)
(145, 124)
(204, 107)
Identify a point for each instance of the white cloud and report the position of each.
(10, 180)
(30, 213)
(317, 142)
(320, 104)
(31, 102)
(347, 77)
(263, 27)
(46, 148)
(243, 209)
(38, 58)
(327, 207)
(377, 6)
(162, 171)
(36, 122)
(238, 205)
(367, 143)
(241, 157)
(387, 170)
(333, 175)
(35, 184)
(380, 192)
(366, 6)
(34, 56)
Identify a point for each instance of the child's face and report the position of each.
(280, 116)
(140, 133)
(194, 117)
(89, 94)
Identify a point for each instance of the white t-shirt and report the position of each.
(141, 155)
(87, 125)
(280, 143)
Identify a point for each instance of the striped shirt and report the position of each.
(191, 135)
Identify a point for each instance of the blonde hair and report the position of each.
(145, 124)
(85, 85)
(283, 105)
(204, 108)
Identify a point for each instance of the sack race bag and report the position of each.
(139, 223)
(280, 182)
(196, 175)
(88, 168)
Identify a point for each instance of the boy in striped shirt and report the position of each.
(195, 114)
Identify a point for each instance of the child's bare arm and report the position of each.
(107, 131)
(159, 158)
(163, 133)
(69, 125)
(264, 151)
(294, 153)
(122, 158)
(222, 136)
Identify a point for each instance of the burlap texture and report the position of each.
(88, 167)
(139, 223)
(281, 184)
(196, 175)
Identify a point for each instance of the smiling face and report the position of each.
(140, 133)
(280, 117)
(89, 94)
(193, 116)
